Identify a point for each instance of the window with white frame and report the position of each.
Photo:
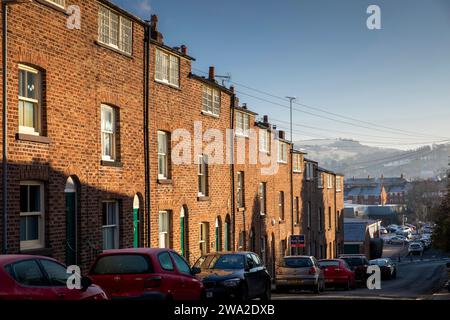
(163, 155)
(115, 30)
(108, 128)
(110, 225)
(320, 180)
(242, 124)
(202, 175)
(264, 140)
(297, 163)
(167, 68)
(32, 218)
(240, 189)
(211, 101)
(204, 238)
(30, 103)
(59, 3)
(262, 198)
(281, 205)
(164, 229)
(330, 181)
(338, 184)
(282, 152)
(309, 171)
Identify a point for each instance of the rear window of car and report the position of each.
(354, 261)
(296, 263)
(332, 263)
(123, 264)
(378, 262)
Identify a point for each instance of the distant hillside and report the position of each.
(356, 160)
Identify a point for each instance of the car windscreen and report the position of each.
(378, 262)
(228, 261)
(354, 262)
(331, 263)
(296, 263)
(123, 264)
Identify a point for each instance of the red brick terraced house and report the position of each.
(111, 145)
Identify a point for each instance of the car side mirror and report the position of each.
(86, 282)
(195, 270)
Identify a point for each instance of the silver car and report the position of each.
(299, 272)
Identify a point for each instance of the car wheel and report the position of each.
(244, 292)
(267, 293)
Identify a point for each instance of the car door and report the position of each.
(58, 276)
(31, 282)
(171, 281)
(190, 286)
(251, 276)
(260, 274)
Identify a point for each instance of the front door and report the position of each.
(136, 221)
(70, 228)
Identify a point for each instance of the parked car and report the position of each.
(383, 230)
(415, 248)
(392, 228)
(237, 275)
(299, 272)
(338, 273)
(387, 267)
(146, 273)
(397, 240)
(25, 277)
(359, 264)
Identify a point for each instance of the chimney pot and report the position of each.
(244, 106)
(232, 89)
(155, 35)
(184, 49)
(281, 134)
(266, 119)
(212, 75)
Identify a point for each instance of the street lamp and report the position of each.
(291, 174)
(5, 4)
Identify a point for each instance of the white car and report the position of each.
(415, 248)
(397, 240)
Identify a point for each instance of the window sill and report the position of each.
(38, 252)
(164, 181)
(32, 138)
(297, 172)
(241, 135)
(53, 6)
(115, 164)
(103, 45)
(282, 162)
(241, 209)
(203, 198)
(173, 86)
(210, 114)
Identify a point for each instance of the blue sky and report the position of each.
(322, 52)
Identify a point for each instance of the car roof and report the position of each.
(11, 258)
(229, 252)
(299, 256)
(134, 251)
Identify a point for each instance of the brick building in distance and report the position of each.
(110, 145)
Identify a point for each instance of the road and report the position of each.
(417, 278)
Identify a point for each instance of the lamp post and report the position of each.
(291, 174)
(5, 4)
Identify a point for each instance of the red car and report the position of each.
(143, 273)
(24, 277)
(337, 273)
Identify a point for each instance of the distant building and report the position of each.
(362, 236)
(376, 191)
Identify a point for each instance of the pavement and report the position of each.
(418, 278)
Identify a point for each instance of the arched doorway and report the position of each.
(218, 234)
(71, 221)
(184, 245)
(136, 222)
(227, 233)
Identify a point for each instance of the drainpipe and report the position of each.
(233, 204)
(146, 128)
(5, 125)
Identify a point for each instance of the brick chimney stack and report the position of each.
(265, 119)
(154, 33)
(281, 134)
(212, 74)
(184, 49)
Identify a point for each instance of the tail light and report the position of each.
(152, 282)
(313, 270)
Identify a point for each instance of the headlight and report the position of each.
(231, 282)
